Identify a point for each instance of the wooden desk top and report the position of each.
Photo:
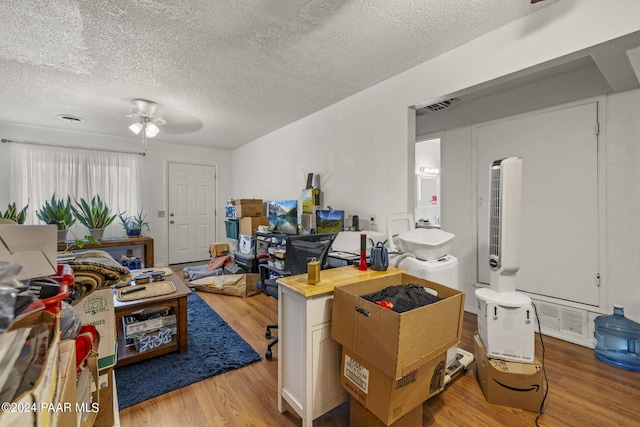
(331, 278)
(181, 291)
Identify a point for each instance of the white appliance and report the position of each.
(505, 317)
(424, 253)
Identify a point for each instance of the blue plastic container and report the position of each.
(618, 340)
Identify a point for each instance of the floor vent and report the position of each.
(563, 322)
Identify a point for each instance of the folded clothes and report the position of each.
(100, 263)
(200, 271)
(401, 298)
(93, 270)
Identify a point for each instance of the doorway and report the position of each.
(192, 212)
(427, 181)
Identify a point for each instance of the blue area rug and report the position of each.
(214, 348)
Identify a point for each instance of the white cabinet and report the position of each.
(308, 359)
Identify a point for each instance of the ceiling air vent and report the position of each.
(435, 106)
(68, 118)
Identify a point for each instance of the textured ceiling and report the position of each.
(222, 72)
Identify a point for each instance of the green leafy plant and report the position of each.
(133, 222)
(94, 216)
(14, 214)
(57, 212)
(79, 244)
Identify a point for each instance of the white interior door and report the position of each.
(559, 234)
(192, 212)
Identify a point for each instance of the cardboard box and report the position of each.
(133, 328)
(507, 332)
(66, 394)
(387, 398)
(40, 397)
(249, 225)
(359, 416)
(247, 207)
(515, 384)
(150, 340)
(97, 309)
(107, 416)
(395, 343)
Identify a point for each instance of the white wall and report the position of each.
(361, 143)
(623, 202)
(154, 174)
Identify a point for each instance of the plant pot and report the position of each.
(134, 233)
(96, 233)
(62, 235)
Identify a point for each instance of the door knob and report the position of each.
(171, 222)
(171, 214)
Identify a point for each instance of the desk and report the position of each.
(308, 359)
(145, 242)
(177, 300)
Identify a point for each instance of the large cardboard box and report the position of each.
(97, 309)
(359, 416)
(387, 398)
(396, 343)
(247, 207)
(249, 224)
(66, 394)
(515, 384)
(33, 406)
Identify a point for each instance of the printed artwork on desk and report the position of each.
(283, 216)
(329, 221)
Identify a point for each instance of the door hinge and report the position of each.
(598, 279)
(597, 128)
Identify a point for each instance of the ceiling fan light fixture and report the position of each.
(136, 127)
(151, 130)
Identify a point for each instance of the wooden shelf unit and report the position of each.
(176, 300)
(145, 242)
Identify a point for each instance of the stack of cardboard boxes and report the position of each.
(393, 362)
(248, 213)
(508, 382)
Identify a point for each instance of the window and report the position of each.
(39, 172)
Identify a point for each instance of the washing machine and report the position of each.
(424, 254)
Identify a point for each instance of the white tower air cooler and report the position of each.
(505, 317)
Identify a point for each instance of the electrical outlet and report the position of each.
(372, 218)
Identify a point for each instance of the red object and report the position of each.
(64, 276)
(84, 343)
(54, 303)
(386, 304)
(363, 253)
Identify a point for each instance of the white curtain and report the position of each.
(38, 172)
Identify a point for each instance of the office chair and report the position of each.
(300, 249)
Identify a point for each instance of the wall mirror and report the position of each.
(428, 191)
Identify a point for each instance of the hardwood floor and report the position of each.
(582, 390)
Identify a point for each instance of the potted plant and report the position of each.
(12, 213)
(96, 216)
(58, 212)
(133, 224)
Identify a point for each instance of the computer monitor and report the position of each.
(303, 248)
(329, 221)
(283, 216)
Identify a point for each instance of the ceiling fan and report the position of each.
(146, 122)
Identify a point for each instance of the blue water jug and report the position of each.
(618, 340)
